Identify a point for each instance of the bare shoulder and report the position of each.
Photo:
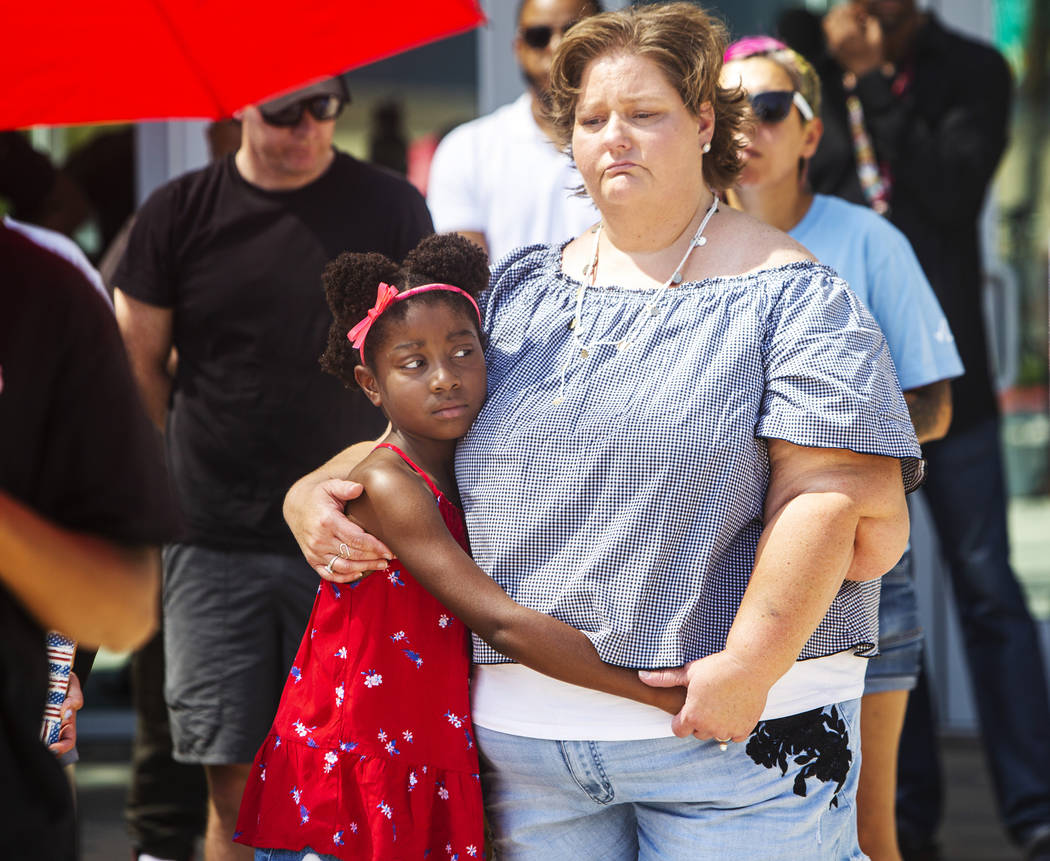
(752, 245)
(396, 505)
(386, 478)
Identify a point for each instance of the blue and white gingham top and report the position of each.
(632, 510)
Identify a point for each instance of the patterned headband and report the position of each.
(750, 46)
(386, 296)
(763, 46)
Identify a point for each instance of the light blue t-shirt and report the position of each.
(877, 261)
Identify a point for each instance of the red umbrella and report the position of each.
(118, 60)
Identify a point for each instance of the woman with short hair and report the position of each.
(695, 450)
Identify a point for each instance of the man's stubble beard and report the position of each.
(540, 89)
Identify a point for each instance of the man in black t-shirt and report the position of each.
(224, 265)
(83, 503)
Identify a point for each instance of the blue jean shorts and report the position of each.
(900, 635)
(291, 855)
(788, 793)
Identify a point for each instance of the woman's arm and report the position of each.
(399, 508)
(90, 589)
(831, 515)
(314, 510)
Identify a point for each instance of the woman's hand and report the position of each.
(831, 515)
(334, 546)
(74, 702)
(724, 700)
(314, 509)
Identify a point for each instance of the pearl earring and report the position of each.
(706, 148)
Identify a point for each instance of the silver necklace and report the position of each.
(648, 311)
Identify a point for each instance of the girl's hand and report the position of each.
(74, 702)
(725, 697)
(671, 699)
(334, 546)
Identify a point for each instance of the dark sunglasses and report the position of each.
(773, 106)
(321, 108)
(539, 37)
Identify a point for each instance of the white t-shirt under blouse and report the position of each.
(513, 699)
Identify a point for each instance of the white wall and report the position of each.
(972, 17)
(166, 149)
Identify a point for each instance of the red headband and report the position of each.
(386, 296)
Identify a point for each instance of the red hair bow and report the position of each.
(384, 296)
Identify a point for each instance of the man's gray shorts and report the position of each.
(232, 626)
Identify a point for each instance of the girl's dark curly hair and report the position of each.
(352, 280)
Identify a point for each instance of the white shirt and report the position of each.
(500, 175)
(512, 699)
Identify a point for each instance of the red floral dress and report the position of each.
(371, 754)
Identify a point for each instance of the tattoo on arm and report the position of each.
(930, 408)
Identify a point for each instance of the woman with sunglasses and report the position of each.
(879, 264)
(693, 449)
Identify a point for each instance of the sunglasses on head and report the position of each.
(539, 37)
(774, 106)
(321, 108)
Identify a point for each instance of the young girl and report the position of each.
(371, 754)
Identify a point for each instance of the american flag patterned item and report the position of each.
(60, 652)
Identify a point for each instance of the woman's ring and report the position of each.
(723, 743)
(344, 551)
(331, 562)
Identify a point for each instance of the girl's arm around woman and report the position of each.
(398, 508)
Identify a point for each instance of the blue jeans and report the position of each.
(900, 637)
(291, 855)
(968, 505)
(678, 799)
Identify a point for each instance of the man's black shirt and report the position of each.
(942, 140)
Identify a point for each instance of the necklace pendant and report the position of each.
(587, 270)
(676, 278)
